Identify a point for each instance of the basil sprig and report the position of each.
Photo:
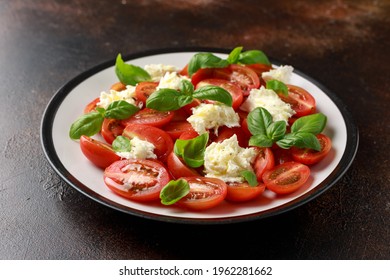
(174, 191)
(192, 150)
(130, 74)
(89, 124)
(250, 177)
(277, 86)
(303, 133)
(209, 60)
(167, 99)
(121, 144)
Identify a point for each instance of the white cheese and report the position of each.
(171, 80)
(269, 100)
(157, 71)
(226, 160)
(140, 149)
(282, 73)
(212, 116)
(126, 95)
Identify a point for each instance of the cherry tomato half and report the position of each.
(99, 153)
(225, 132)
(178, 168)
(240, 192)
(177, 128)
(137, 179)
(286, 178)
(163, 144)
(205, 193)
(91, 105)
(309, 156)
(150, 117)
(302, 102)
(144, 89)
(118, 86)
(263, 162)
(111, 128)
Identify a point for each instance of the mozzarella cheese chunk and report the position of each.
(107, 98)
(140, 149)
(269, 100)
(212, 116)
(171, 80)
(157, 71)
(227, 159)
(282, 73)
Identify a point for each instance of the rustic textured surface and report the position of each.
(43, 44)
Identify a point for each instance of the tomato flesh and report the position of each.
(150, 117)
(309, 156)
(144, 89)
(138, 179)
(263, 162)
(111, 128)
(286, 178)
(99, 153)
(178, 168)
(301, 101)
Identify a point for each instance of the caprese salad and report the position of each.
(217, 129)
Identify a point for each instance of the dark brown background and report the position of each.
(343, 44)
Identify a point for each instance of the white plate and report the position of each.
(66, 158)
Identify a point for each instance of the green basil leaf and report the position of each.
(260, 140)
(234, 55)
(250, 177)
(88, 124)
(120, 110)
(167, 99)
(314, 123)
(192, 150)
(186, 87)
(174, 191)
(130, 74)
(253, 57)
(287, 141)
(277, 86)
(121, 144)
(307, 140)
(215, 93)
(276, 130)
(258, 121)
(205, 60)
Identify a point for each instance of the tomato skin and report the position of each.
(178, 168)
(190, 134)
(264, 161)
(241, 192)
(150, 117)
(152, 177)
(302, 102)
(91, 106)
(244, 127)
(259, 68)
(144, 89)
(118, 86)
(99, 153)
(287, 177)
(282, 155)
(160, 139)
(177, 128)
(309, 156)
(111, 128)
(227, 132)
(233, 89)
(211, 194)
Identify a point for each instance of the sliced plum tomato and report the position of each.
(233, 89)
(184, 71)
(264, 161)
(225, 132)
(244, 127)
(136, 179)
(178, 168)
(281, 155)
(150, 117)
(205, 193)
(190, 134)
(181, 115)
(259, 68)
(302, 102)
(175, 129)
(163, 144)
(111, 128)
(309, 156)
(144, 89)
(287, 177)
(99, 153)
(91, 106)
(240, 192)
(188, 108)
(209, 73)
(118, 86)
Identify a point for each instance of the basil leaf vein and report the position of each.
(174, 191)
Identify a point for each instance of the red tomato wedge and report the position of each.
(111, 128)
(226, 132)
(99, 153)
(263, 162)
(309, 156)
(150, 117)
(177, 128)
(287, 177)
(138, 179)
(118, 86)
(178, 168)
(240, 192)
(91, 106)
(233, 89)
(302, 102)
(163, 144)
(205, 193)
(144, 89)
